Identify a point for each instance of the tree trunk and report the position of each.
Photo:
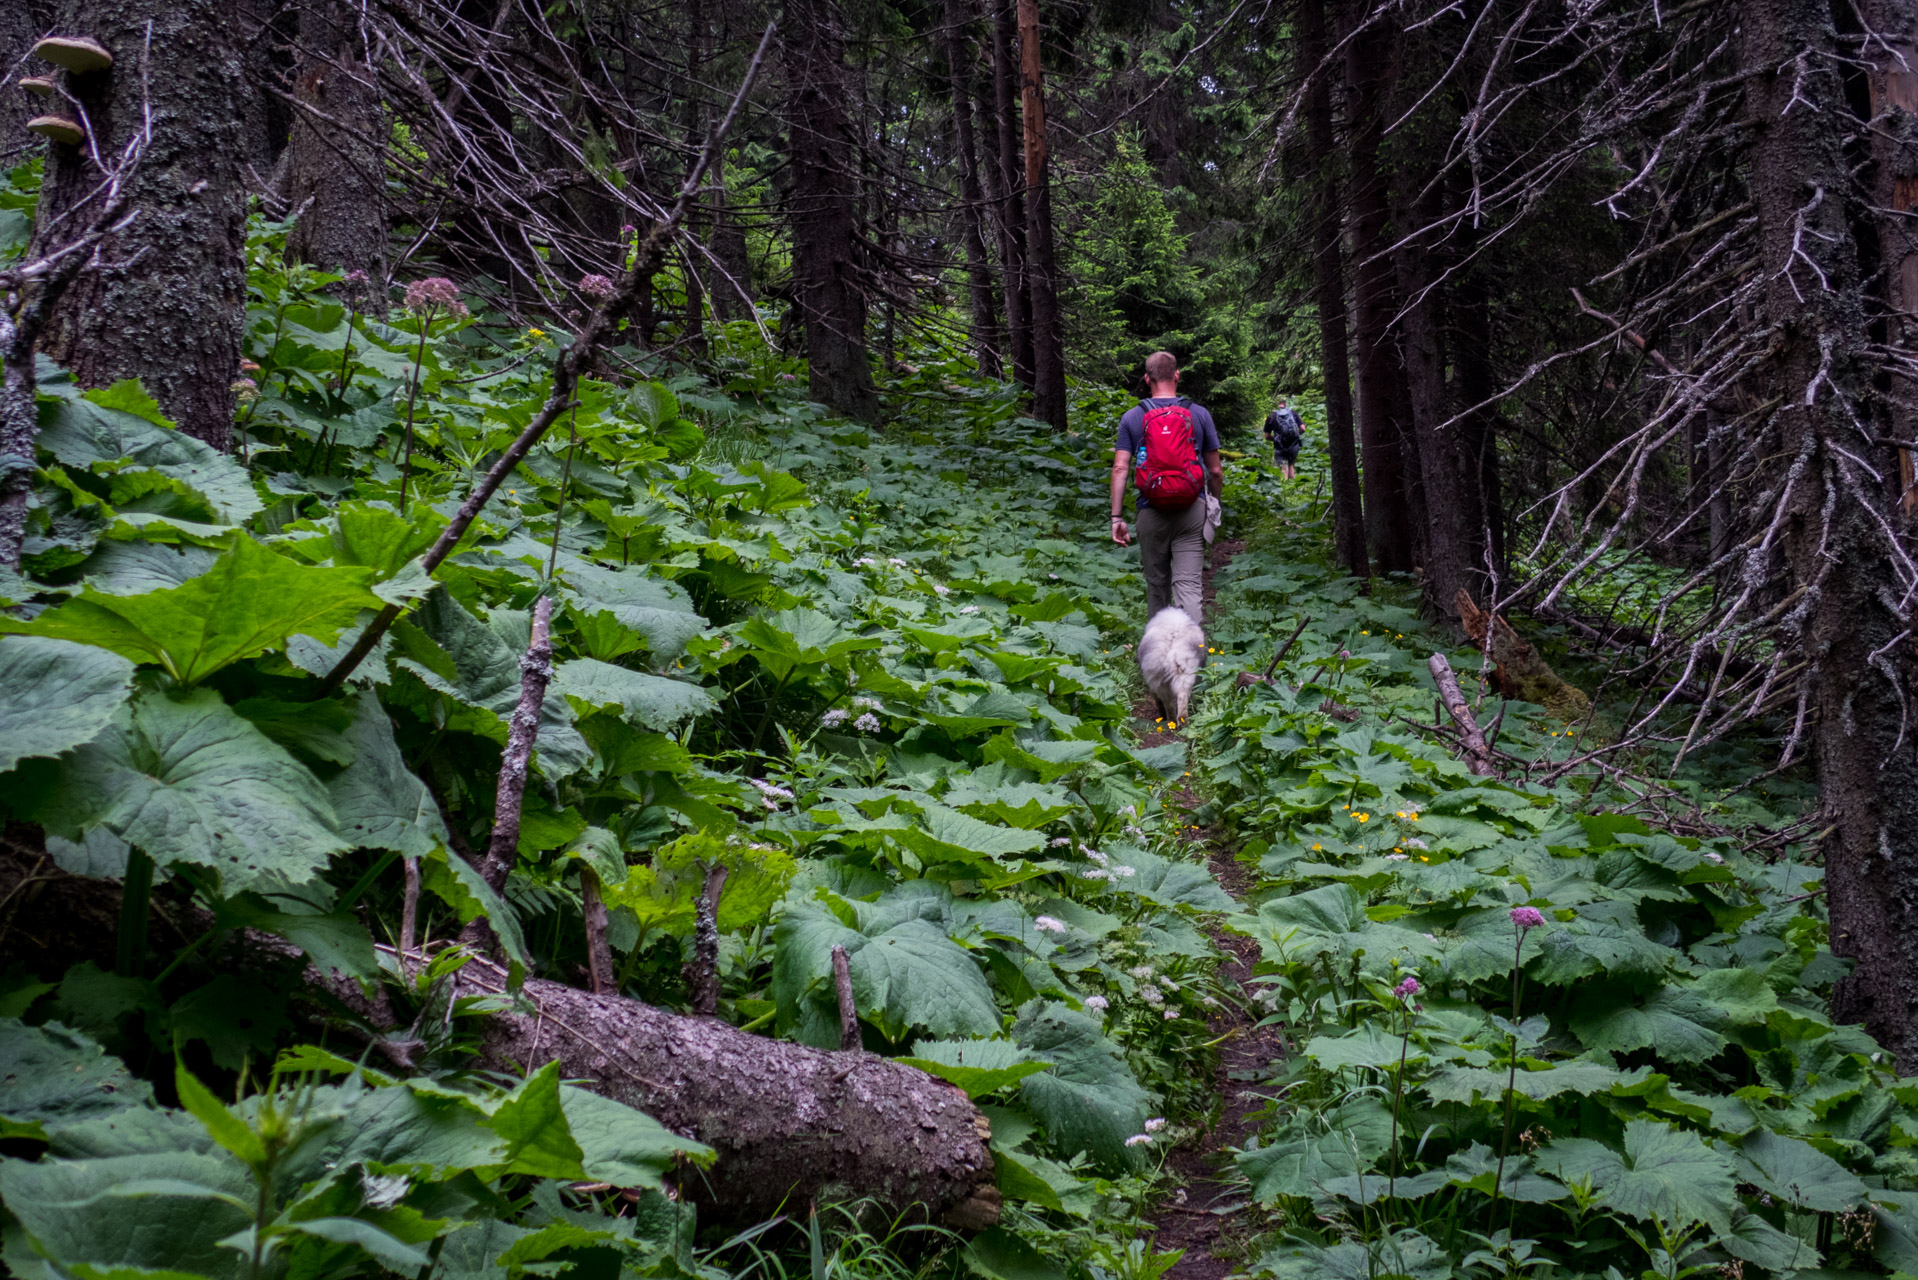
(1328, 264)
(1894, 104)
(1011, 195)
(985, 320)
(21, 23)
(337, 156)
(1388, 512)
(791, 1124)
(733, 294)
(1048, 334)
(1449, 561)
(171, 314)
(824, 212)
(1848, 627)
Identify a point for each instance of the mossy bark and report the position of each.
(335, 170)
(169, 308)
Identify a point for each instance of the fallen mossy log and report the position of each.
(792, 1125)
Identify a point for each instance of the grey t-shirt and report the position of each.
(1205, 433)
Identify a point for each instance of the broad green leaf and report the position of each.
(388, 1250)
(55, 695)
(907, 974)
(656, 702)
(52, 1077)
(135, 568)
(377, 801)
(1171, 884)
(1090, 1101)
(998, 1254)
(1369, 1046)
(532, 1123)
(1796, 1171)
(458, 884)
(1663, 1173)
(979, 1067)
(1468, 1084)
(1477, 1167)
(104, 433)
(251, 600)
(161, 1211)
(947, 835)
(620, 1145)
(187, 780)
(1683, 1023)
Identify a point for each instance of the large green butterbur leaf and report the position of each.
(656, 702)
(1090, 1100)
(187, 780)
(1663, 1173)
(1684, 1023)
(55, 695)
(906, 974)
(378, 802)
(979, 1067)
(52, 1077)
(251, 600)
(118, 432)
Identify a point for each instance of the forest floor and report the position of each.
(1199, 1217)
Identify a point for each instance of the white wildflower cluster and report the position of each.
(1142, 971)
(1135, 831)
(1155, 1124)
(895, 562)
(971, 608)
(1152, 996)
(769, 794)
(1413, 842)
(1058, 842)
(868, 704)
(1171, 1015)
(864, 562)
(1050, 924)
(1138, 1139)
(1397, 857)
(868, 723)
(941, 589)
(1095, 855)
(1096, 1003)
(1168, 984)
(1713, 857)
(834, 718)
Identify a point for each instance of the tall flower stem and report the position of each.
(1398, 1092)
(412, 394)
(1526, 919)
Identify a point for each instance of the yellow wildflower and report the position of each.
(1362, 816)
(536, 334)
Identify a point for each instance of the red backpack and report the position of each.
(1170, 476)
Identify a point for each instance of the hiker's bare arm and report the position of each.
(1215, 473)
(1121, 467)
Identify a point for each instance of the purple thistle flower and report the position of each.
(596, 286)
(629, 230)
(1410, 987)
(1527, 918)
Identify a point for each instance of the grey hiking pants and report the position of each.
(1172, 553)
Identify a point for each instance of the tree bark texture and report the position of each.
(791, 1124)
(21, 23)
(1388, 511)
(1847, 626)
(732, 293)
(170, 308)
(337, 150)
(1893, 82)
(1328, 267)
(1042, 268)
(824, 212)
(1450, 561)
(1011, 201)
(985, 319)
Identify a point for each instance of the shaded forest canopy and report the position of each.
(565, 704)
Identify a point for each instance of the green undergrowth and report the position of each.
(883, 679)
(1577, 1029)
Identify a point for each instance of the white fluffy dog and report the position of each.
(1170, 654)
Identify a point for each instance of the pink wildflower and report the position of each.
(1410, 987)
(435, 291)
(596, 286)
(1527, 918)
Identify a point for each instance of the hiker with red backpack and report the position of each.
(1173, 445)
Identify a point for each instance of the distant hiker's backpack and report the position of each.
(1283, 426)
(1170, 476)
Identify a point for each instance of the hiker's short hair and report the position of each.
(1161, 366)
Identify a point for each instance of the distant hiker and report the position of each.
(1286, 431)
(1174, 446)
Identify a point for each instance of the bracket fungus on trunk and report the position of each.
(77, 54)
(57, 128)
(42, 85)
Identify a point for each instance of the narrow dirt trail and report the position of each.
(1199, 1218)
